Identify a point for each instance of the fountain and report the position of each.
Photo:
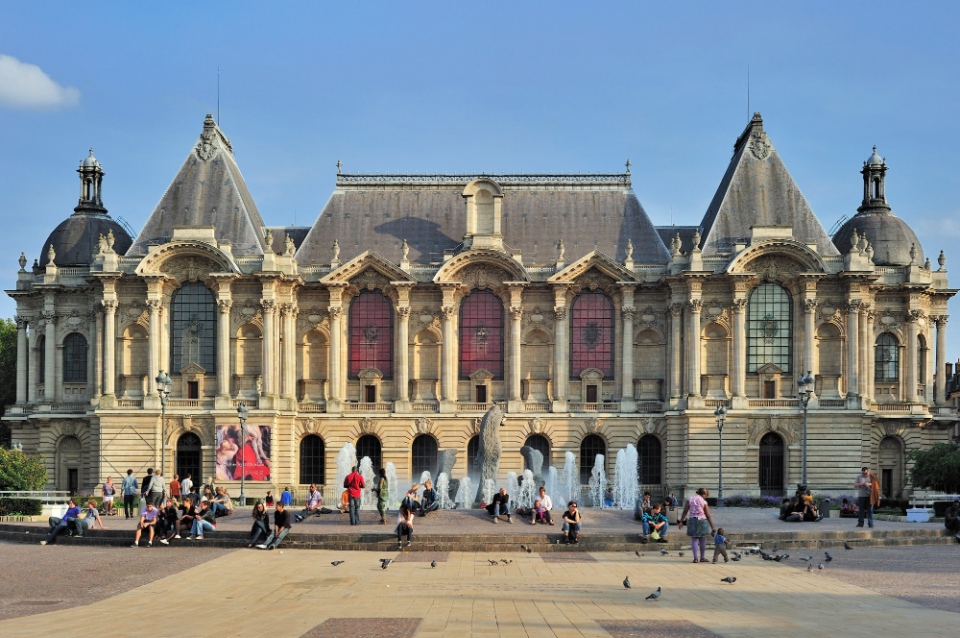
(513, 488)
(489, 487)
(464, 497)
(369, 498)
(393, 484)
(528, 491)
(443, 491)
(626, 486)
(598, 482)
(551, 485)
(488, 454)
(346, 459)
(569, 487)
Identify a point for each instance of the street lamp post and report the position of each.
(805, 389)
(164, 385)
(242, 412)
(721, 414)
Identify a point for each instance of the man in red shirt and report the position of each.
(175, 487)
(354, 485)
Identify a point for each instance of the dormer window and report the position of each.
(483, 198)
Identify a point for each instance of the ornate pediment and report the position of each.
(507, 269)
(192, 369)
(367, 271)
(594, 270)
(186, 261)
(769, 369)
(777, 260)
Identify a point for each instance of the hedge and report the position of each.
(20, 506)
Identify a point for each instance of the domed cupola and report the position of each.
(893, 242)
(77, 237)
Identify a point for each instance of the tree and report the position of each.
(937, 468)
(20, 472)
(8, 372)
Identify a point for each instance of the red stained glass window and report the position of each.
(591, 339)
(481, 335)
(371, 334)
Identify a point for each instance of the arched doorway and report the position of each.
(590, 447)
(312, 460)
(423, 457)
(539, 443)
(69, 464)
(190, 457)
(649, 460)
(771, 465)
(369, 445)
(890, 461)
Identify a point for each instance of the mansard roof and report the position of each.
(757, 190)
(207, 191)
(377, 212)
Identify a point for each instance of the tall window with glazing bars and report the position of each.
(769, 328)
(371, 334)
(591, 334)
(193, 328)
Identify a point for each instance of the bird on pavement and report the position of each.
(809, 567)
(433, 563)
(384, 562)
(492, 562)
(736, 557)
(626, 582)
(819, 568)
(681, 554)
(806, 559)
(828, 557)
(664, 552)
(847, 545)
(337, 562)
(655, 595)
(523, 547)
(729, 579)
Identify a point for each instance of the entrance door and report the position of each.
(73, 480)
(189, 457)
(771, 465)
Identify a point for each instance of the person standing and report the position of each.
(720, 545)
(145, 487)
(157, 488)
(286, 497)
(175, 487)
(129, 488)
(864, 485)
(354, 484)
(383, 495)
(186, 485)
(108, 493)
(700, 523)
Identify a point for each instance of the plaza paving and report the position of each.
(121, 591)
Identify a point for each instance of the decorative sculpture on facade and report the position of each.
(488, 455)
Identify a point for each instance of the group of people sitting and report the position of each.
(195, 513)
(800, 508)
(540, 512)
(653, 517)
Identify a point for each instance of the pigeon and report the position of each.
(736, 557)
(681, 554)
(664, 552)
(847, 545)
(384, 562)
(778, 558)
(729, 579)
(806, 559)
(433, 563)
(529, 551)
(655, 595)
(492, 562)
(626, 582)
(639, 555)
(337, 562)
(828, 557)
(819, 567)
(523, 547)
(809, 567)
(774, 550)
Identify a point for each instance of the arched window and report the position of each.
(649, 460)
(190, 456)
(481, 334)
(886, 366)
(424, 456)
(771, 465)
(590, 447)
(371, 334)
(369, 445)
(473, 449)
(769, 328)
(74, 359)
(193, 328)
(41, 359)
(311, 460)
(591, 334)
(540, 443)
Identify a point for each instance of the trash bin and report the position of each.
(673, 516)
(824, 508)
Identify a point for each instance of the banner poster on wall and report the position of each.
(250, 459)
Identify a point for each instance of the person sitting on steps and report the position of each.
(541, 508)
(655, 521)
(571, 523)
(313, 504)
(500, 506)
(428, 500)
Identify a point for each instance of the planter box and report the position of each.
(919, 515)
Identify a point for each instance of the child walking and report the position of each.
(720, 545)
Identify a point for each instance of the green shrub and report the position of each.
(20, 507)
(20, 472)
(937, 468)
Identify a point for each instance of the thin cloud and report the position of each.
(26, 86)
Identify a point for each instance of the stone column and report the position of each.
(21, 360)
(853, 348)
(402, 374)
(809, 332)
(223, 349)
(448, 355)
(913, 330)
(50, 357)
(676, 353)
(153, 346)
(693, 347)
(110, 344)
(98, 352)
(941, 369)
(869, 339)
(269, 332)
(627, 310)
(739, 347)
(514, 393)
(863, 356)
(290, 353)
(334, 366)
(561, 359)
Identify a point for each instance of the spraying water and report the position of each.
(598, 482)
(513, 487)
(551, 484)
(528, 490)
(393, 484)
(569, 487)
(443, 491)
(369, 499)
(488, 489)
(626, 486)
(465, 493)
(346, 459)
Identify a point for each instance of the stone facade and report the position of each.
(416, 302)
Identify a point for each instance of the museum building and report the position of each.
(415, 302)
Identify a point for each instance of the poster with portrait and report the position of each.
(246, 455)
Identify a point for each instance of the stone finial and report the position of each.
(289, 248)
(854, 239)
(862, 246)
(336, 250)
(101, 245)
(110, 240)
(696, 239)
(560, 250)
(628, 166)
(339, 167)
(926, 264)
(51, 255)
(404, 250)
(913, 253)
(675, 245)
(942, 259)
(629, 249)
(268, 237)
(23, 261)
(870, 251)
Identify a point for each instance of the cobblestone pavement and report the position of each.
(866, 592)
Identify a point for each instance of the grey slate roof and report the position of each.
(667, 233)
(378, 212)
(297, 234)
(207, 191)
(757, 190)
(76, 238)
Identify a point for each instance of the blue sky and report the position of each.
(491, 87)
